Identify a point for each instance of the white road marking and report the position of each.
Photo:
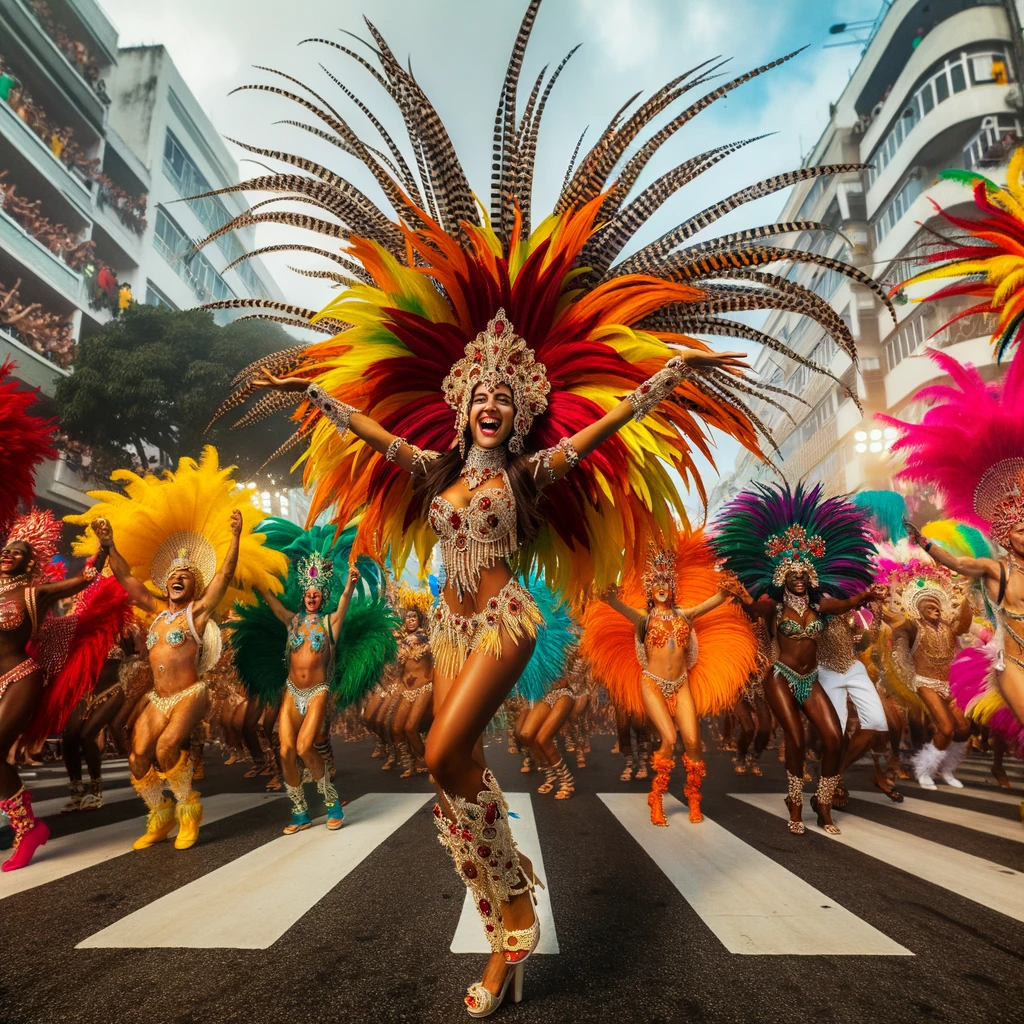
(251, 902)
(992, 885)
(752, 904)
(991, 793)
(62, 780)
(68, 854)
(469, 935)
(46, 808)
(976, 820)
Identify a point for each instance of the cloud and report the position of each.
(627, 31)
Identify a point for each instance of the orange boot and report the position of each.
(695, 772)
(659, 786)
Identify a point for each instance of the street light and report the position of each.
(876, 446)
(860, 448)
(861, 435)
(876, 435)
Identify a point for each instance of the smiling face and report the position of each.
(490, 416)
(929, 609)
(662, 595)
(312, 599)
(181, 585)
(798, 581)
(15, 558)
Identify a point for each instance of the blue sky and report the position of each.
(459, 51)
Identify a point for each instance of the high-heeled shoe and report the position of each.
(482, 1002)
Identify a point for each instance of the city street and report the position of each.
(915, 912)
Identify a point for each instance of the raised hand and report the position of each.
(236, 523)
(103, 531)
(353, 579)
(699, 360)
(268, 380)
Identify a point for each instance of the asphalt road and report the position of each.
(915, 913)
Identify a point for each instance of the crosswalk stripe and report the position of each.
(251, 902)
(993, 795)
(977, 820)
(68, 854)
(469, 935)
(62, 780)
(752, 904)
(992, 885)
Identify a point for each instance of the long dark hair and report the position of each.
(443, 471)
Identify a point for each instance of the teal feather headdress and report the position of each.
(554, 641)
(887, 510)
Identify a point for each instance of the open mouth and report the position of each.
(489, 426)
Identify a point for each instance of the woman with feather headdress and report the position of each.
(186, 552)
(554, 354)
(805, 559)
(415, 671)
(691, 657)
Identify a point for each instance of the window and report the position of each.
(195, 270)
(894, 210)
(188, 180)
(909, 337)
(953, 74)
(155, 297)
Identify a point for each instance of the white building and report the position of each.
(935, 89)
(104, 141)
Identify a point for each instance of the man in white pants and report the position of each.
(843, 675)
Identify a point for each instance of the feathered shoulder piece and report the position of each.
(184, 517)
(725, 648)
(770, 530)
(986, 261)
(25, 441)
(429, 273)
(970, 445)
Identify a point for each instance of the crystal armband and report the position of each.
(656, 388)
(420, 458)
(543, 458)
(337, 412)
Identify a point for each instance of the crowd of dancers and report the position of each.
(511, 398)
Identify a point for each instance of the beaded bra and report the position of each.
(309, 627)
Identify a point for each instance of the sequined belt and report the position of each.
(22, 669)
(165, 704)
(454, 637)
(303, 698)
(412, 695)
(668, 687)
(552, 697)
(940, 686)
(799, 685)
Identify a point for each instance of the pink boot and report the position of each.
(29, 832)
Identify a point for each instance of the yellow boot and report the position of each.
(190, 816)
(158, 825)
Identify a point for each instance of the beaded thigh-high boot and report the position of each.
(794, 798)
(189, 810)
(160, 820)
(695, 772)
(29, 831)
(479, 840)
(659, 787)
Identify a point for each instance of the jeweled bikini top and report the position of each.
(176, 635)
(481, 534)
(413, 647)
(798, 631)
(663, 628)
(308, 627)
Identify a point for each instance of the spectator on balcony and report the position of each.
(124, 296)
(107, 282)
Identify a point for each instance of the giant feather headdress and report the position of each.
(423, 279)
(188, 510)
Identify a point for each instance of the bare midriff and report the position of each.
(799, 654)
(307, 667)
(174, 668)
(492, 580)
(667, 660)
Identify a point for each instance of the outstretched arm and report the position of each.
(338, 616)
(553, 463)
(48, 594)
(977, 568)
(276, 607)
(611, 598)
(835, 606)
(762, 608)
(706, 606)
(345, 417)
(137, 592)
(214, 593)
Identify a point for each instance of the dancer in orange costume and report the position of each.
(691, 661)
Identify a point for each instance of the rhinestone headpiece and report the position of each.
(317, 573)
(794, 551)
(915, 581)
(999, 497)
(186, 549)
(415, 598)
(661, 569)
(40, 530)
(498, 356)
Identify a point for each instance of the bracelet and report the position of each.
(392, 453)
(543, 458)
(336, 411)
(656, 388)
(927, 545)
(90, 572)
(420, 458)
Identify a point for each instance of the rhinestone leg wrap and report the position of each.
(659, 787)
(795, 798)
(695, 772)
(826, 791)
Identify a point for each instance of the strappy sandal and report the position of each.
(797, 828)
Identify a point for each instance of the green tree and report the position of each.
(156, 376)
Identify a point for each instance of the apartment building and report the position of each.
(97, 146)
(936, 88)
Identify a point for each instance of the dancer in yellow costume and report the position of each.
(174, 531)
